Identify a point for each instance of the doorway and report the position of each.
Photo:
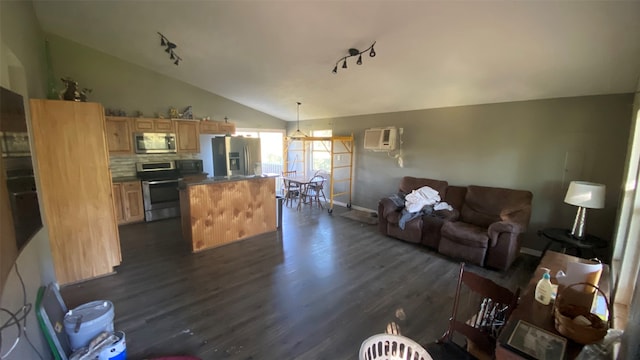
(271, 149)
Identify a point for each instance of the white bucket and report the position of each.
(87, 321)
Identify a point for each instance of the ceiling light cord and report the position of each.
(170, 49)
(354, 52)
(298, 133)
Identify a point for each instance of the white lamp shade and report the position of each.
(585, 194)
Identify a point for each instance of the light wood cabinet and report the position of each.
(188, 136)
(117, 202)
(119, 135)
(217, 127)
(209, 127)
(218, 213)
(153, 125)
(75, 191)
(227, 128)
(127, 198)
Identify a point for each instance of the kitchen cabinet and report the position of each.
(227, 128)
(153, 125)
(75, 188)
(217, 127)
(127, 198)
(217, 212)
(117, 202)
(119, 137)
(187, 136)
(209, 127)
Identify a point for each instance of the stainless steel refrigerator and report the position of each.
(236, 155)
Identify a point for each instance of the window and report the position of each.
(626, 257)
(321, 151)
(270, 148)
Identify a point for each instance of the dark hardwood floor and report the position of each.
(316, 290)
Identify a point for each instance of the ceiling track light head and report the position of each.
(354, 52)
(170, 49)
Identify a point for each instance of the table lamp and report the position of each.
(585, 195)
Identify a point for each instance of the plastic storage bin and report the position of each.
(116, 351)
(87, 321)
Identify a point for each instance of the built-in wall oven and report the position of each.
(159, 189)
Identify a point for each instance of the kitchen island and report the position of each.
(221, 210)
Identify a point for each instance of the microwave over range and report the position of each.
(154, 143)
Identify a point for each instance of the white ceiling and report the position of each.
(269, 54)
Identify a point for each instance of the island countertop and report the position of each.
(220, 179)
(221, 210)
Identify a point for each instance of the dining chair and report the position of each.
(314, 189)
(291, 190)
(480, 309)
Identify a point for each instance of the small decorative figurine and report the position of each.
(187, 113)
(173, 113)
(83, 94)
(71, 92)
(71, 89)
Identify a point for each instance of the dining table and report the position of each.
(303, 184)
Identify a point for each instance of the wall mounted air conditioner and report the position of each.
(380, 139)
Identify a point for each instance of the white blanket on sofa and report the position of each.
(418, 198)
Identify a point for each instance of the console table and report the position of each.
(540, 315)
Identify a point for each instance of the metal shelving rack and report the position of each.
(341, 151)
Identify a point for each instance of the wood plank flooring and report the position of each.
(316, 290)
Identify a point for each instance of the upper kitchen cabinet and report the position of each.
(217, 127)
(75, 188)
(227, 128)
(119, 138)
(188, 136)
(153, 125)
(209, 127)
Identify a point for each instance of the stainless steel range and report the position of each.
(159, 189)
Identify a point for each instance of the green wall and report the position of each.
(534, 145)
(118, 84)
(23, 70)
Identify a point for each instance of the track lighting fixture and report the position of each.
(170, 47)
(354, 52)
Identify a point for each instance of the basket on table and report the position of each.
(392, 347)
(565, 313)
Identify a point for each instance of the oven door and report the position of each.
(161, 199)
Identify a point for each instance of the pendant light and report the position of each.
(298, 133)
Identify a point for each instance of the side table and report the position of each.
(567, 241)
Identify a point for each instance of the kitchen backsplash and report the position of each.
(126, 165)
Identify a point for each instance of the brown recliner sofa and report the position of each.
(484, 227)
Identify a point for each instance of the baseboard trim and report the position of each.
(529, 251)
(340, 203)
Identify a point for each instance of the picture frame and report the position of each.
(536, 343)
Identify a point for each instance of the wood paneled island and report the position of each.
(220, 210)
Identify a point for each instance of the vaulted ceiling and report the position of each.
(269, 54)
